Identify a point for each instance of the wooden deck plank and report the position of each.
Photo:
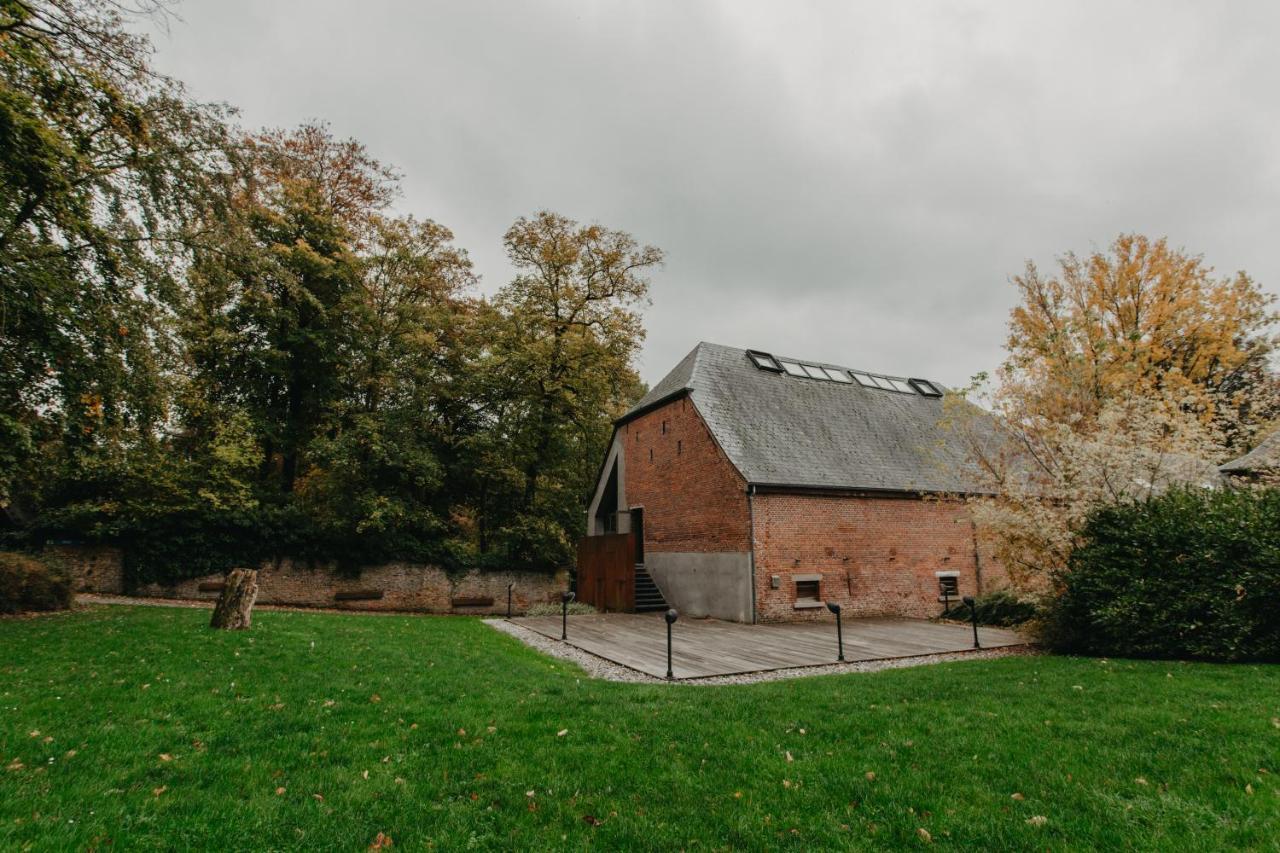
(707, 647)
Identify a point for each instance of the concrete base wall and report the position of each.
(715, 584)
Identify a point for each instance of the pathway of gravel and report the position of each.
(598, 667)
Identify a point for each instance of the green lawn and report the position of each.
(141, 728)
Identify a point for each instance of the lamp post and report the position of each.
(565, 598)
(835, 608)
(671, 616)
(509, 598)
(973, 615)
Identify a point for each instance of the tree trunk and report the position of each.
(235, 605)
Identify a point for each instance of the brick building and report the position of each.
(759, 487)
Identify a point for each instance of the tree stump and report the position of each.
(234, 609)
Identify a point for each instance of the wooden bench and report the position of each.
(475, 601)
(358, 595)
(211, 586)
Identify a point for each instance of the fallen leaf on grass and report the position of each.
(318, 797)
(924, 835)
(1017, 796)
(164, 756)
(871, 776)
(1248, 789)
(562, 733)
(280, 791)
(591, 820)
(329, 703)
(71, 753)
(1037, 820)
(158, 791)
(375, 698)
(364, 774)
(381, 841)
(737, 795)
(34, 733)
(16, 764)
(1140, 781)
(789, 758)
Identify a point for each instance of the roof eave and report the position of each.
(649, 407)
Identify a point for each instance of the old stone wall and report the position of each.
(874, 555)
(93, 568)
(401, 586)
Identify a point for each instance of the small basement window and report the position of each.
(808, 590)
(949, 586)
(764, 361)
(793, 368)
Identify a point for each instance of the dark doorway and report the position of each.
(637, 533)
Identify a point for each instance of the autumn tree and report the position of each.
(105, 169)
(1128, 373)
(1141, 316)
(561, 356)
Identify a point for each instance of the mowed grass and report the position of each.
(141, 728)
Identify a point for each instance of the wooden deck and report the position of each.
(708, 647)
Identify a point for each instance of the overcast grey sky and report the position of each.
(851, 182)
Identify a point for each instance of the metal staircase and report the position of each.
(648, 596)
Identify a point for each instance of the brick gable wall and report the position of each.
(875, 555)
(693, 497)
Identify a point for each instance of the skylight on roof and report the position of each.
(793, 367)
(815, 372)
(899, 385)
(866, 380)
(925, 387)
(764, 361)
(881, 382)
(838, 375)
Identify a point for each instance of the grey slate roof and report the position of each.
(782, 430)
(1264, 457)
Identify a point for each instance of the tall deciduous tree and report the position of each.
(1129, 372)
(1139, 316)
(105, 167)
(569, 333)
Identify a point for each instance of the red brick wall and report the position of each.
(876, 555)
(693, 497)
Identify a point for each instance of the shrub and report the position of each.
(1189, 574)
(576, 608)
(29, 584)
(1001, 608)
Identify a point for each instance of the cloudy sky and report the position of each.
(851, 182)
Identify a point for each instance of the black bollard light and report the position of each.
(565, 598)
(509, 598)
(946, 601)
(835, 608)
(671, 616)
(973, 615)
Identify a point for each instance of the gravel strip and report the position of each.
(597, 667)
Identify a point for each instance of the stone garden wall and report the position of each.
(394, 586)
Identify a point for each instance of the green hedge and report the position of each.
(1191, 574)
(28, 584)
